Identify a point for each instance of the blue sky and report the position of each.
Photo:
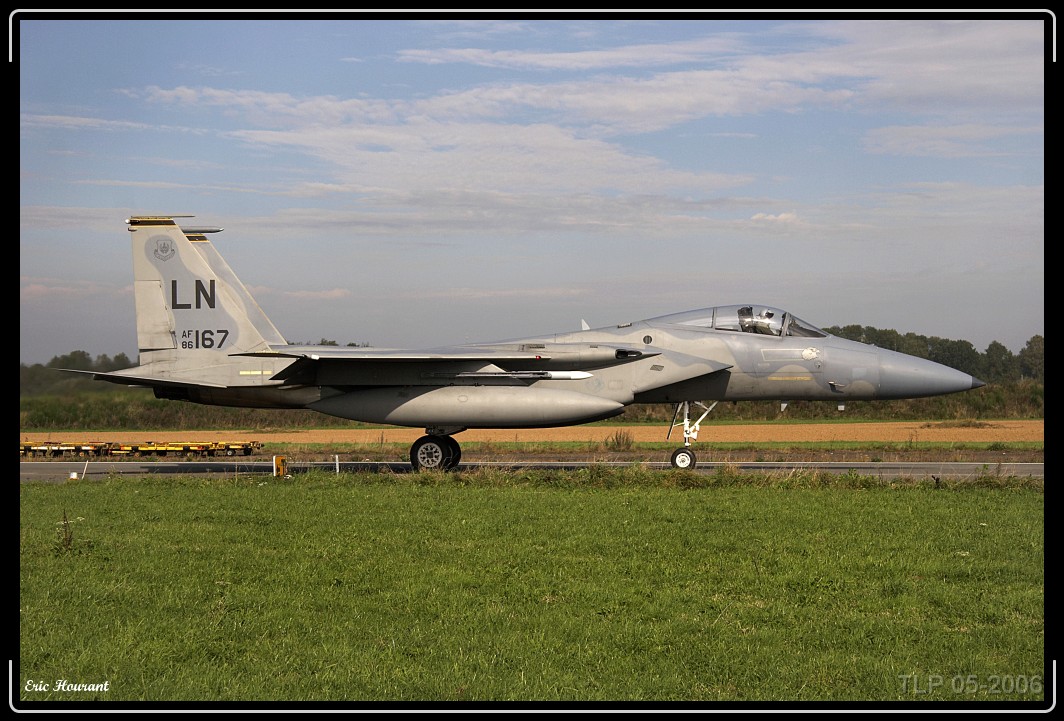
(420, 182)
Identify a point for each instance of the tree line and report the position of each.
(996, 365)
(1015, 389)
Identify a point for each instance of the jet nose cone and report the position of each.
(905, 376)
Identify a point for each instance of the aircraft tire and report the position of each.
(456, 452)
(434, 453)
(683, 458)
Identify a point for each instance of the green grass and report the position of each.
(593, 585)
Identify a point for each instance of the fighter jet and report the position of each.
(204, 339)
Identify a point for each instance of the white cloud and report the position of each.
(644, 55)
(950, 141)
(330, 294)
(591, 161)
(70, 122)
(782, 218)
(49, 291)
(960, 68)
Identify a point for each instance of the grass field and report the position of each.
(595, 585)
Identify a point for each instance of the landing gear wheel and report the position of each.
(434, 453)
(683, 458)
(456, 451)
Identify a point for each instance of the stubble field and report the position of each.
(975, 441)
(886, 432)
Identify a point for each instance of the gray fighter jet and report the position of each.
(203, 338)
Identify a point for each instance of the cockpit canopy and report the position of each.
(744, 319)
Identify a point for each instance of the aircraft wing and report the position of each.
(324, 353)
(674, 367)
(673, 370)
(525, 361)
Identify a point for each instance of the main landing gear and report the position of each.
(437, 451)
(685, 457)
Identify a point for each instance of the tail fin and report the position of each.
(202, 337)
(197, 325)
(189, 302)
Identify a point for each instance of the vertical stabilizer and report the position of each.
(190, 305)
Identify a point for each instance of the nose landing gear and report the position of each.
(685, 457)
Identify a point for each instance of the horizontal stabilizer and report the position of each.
(134, 380)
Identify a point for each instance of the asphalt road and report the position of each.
(61, 471)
